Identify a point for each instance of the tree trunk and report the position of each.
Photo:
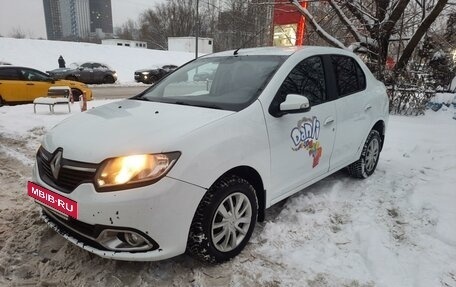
(422, 29)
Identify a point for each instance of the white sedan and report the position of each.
(191, 165)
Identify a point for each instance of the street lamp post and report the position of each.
(197, 29)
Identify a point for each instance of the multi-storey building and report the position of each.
(53, 19)
(66, 19)
(100, 16)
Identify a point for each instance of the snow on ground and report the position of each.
(42, 55)
(396, 228)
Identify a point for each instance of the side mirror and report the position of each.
(294, 104)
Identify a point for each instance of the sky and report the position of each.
(27, 16)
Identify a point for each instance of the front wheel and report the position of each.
(366, 164)
(224, 220)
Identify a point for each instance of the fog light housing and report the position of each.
(134, 239)
(123, 240)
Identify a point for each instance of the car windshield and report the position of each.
(229, 83)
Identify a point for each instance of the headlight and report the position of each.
(145, 73)
(134, 170)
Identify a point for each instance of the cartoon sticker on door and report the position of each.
(305, 136)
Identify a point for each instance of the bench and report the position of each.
(55, 96)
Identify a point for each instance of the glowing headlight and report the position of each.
(145, 73)
(117, 173)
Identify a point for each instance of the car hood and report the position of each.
(126, 127)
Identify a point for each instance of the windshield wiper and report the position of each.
(140, 97)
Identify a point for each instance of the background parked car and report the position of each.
(23, 85)
(88, 73)
(151, 75)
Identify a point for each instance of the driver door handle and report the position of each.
(328, 121)
(368, 107)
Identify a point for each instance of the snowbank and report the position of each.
(43, 55)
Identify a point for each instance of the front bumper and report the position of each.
(141, 78)
(162, 211)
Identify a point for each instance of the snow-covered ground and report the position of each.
(42, 55)
(396, 228)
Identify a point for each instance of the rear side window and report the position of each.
(307, 79)
(9, 74)
(349, 75)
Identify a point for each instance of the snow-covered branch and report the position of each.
(320, 31)
(345, 20)
(363, 17)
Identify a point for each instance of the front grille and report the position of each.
(71, 174)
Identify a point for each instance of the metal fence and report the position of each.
(408, 101)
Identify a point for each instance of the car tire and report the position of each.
(2, 102)
(108, 80)
(366, 164)
(76, 93)
(224, 220)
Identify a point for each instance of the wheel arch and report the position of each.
(380, 127)
(253, 177)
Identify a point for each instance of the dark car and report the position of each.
(88, 73)
(151, 75)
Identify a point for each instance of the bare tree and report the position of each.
(374, 24)
(128, 30)
(17, 33)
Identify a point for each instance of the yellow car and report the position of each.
(23, 85)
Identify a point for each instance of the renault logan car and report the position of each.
(23, 85)
(188, 166)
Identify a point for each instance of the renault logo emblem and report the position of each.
(56, 164)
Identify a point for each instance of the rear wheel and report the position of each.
(224, 220)
(366, 164)
(108, 79)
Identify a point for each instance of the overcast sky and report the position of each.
(28, 15)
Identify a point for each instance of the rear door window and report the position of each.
(9, 74)
(349, 75)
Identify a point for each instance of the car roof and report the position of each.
(277, 51)
(17, 67)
